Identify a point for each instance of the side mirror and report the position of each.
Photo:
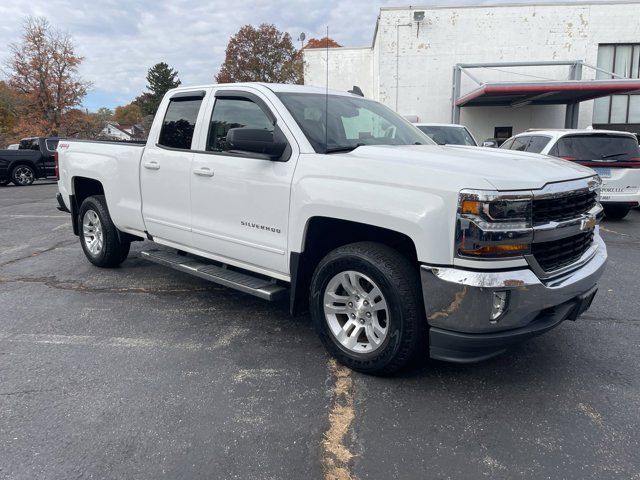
(490, 144)
(255, 140)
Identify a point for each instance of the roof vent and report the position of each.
(418, 16)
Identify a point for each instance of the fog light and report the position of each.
(499, 305)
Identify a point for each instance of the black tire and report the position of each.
(23, 175)
(113, 250)
(615, 212)
(399, 281)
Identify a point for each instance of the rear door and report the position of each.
(240, 201)
(165, 170)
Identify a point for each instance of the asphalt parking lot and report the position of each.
(144, 372)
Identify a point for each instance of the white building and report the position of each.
(410, 64)
(117, 131)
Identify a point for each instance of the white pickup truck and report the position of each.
(399, 248)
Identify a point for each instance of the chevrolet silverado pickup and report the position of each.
(398, 247)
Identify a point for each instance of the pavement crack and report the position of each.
(21, 392)
(64, 243)
(336, 456)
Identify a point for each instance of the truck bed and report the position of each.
(116, 164)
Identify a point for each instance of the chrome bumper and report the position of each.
(461, 300)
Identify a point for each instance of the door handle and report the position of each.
(152, 165)
(203, 172)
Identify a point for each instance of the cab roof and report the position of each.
(274, 87)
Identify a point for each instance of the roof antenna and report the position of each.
(326, 100)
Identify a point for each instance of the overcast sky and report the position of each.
(121, 40)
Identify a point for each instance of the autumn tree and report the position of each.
(160, 79)
(128, 114)
(323, 42)
(43, 67)
(262, 54)
(11, 103)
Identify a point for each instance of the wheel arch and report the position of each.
(318, 241)
(82, 188)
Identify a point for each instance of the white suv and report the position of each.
(615, 156)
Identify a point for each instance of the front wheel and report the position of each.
(366, 305)
(23, 175)
(99, 236)
(615, 212)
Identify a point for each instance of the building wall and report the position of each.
(423, 54)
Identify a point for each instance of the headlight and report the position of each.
(493, 224)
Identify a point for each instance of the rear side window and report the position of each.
(52, 145)
(537, 144)
(231, 113)
(179, 123)
(596, 147)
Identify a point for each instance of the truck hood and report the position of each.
(504, 169)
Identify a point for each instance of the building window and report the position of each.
(624, 60)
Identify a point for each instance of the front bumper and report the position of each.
(459, 304)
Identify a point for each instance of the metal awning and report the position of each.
(514, 94)
(570, 91)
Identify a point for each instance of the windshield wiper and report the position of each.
(614, 155)
(344, 148)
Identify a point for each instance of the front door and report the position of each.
(165, 173)
(240, 202)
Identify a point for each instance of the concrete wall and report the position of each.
(426, 52)
(351, 63)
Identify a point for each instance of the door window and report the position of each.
(537, 144)
(231, 113)
(520, 143)
(179, 123)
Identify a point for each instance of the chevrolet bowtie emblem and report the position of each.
(588, 224)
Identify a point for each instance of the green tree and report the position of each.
(160, 79)
(103, 114)
(262, 54)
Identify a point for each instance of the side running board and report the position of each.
(260, 287)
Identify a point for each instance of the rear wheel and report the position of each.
(23, 175)
(366, 306)
(99, 237)
(615, 212)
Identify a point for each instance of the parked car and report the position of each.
(493, 142)
(448, 134)
(615, 156)
(34, 158)
(399, 247)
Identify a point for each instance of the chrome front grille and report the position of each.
(562, 207)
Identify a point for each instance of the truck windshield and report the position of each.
(448, 135)
(597, 148)
(352, 122)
